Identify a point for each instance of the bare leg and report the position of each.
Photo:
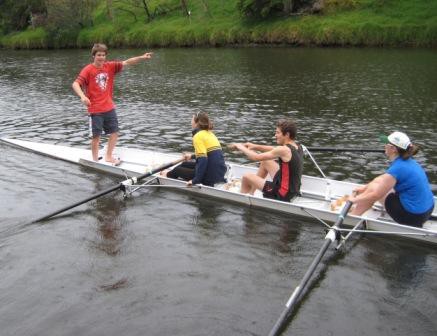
(251, 182)
(95, 141)
(111, 145)
(268, 167)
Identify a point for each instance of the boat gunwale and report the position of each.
(290, 204)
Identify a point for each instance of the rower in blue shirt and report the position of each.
(403, 189)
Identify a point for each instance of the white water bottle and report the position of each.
(328, 192)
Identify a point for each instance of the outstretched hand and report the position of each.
(242, 146)
(147, 55)
(137, 59)
(236, 146)
(249, 145)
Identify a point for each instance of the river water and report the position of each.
(168, 263)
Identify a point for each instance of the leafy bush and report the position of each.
(260, 8)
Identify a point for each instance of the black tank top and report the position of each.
(287, 180)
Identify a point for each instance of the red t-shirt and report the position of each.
(99, 84)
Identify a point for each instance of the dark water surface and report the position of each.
(167, 263)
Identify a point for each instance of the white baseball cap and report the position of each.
(397, 139)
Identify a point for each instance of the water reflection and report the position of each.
(109, 225)
(402, 266)
(176, 257)
(282, 231)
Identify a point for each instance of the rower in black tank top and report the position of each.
(286, 182)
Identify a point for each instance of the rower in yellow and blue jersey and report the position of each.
(209, 166)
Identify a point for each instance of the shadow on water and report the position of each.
(215, 217)
(403, 265)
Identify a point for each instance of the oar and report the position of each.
(121, 185)
(328, 149)
(330, 237)
(339, 149)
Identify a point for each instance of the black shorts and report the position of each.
(185, 171)
(396, 211)
(270, 192)
(100, 122)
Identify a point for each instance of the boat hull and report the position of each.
(318, 194)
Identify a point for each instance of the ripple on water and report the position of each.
(173, 264)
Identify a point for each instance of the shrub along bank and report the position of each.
(222, 22)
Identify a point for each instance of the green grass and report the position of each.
(29, 39)
(344, 23)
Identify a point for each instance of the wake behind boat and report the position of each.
(320, 197)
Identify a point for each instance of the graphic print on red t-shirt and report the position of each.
(102, 80)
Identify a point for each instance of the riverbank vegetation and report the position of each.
(162, 23)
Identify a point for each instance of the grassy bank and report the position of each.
(218, 23)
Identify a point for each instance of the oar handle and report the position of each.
(343, 213)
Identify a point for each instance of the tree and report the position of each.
(69, 14)
(259, 8)
(65, 18)
(269, 8)
(15, 15)
(184, 7)
(131, 7)
(109, 9)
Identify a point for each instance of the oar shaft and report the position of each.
(291, 303)
(335, 149)
(109, 190)
(94, 196)
(160, 168)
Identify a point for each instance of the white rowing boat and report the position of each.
(318, 199)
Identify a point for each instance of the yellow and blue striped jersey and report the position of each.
(205, 142)
(210, 163)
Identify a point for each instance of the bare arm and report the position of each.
(137, 59)
(375, 190)
(78, 90)
(252, 146)
(272, 154)
(261, 148)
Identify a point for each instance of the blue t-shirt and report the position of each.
(412, 185)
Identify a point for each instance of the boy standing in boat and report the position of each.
(286, 172)
(94, 86)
